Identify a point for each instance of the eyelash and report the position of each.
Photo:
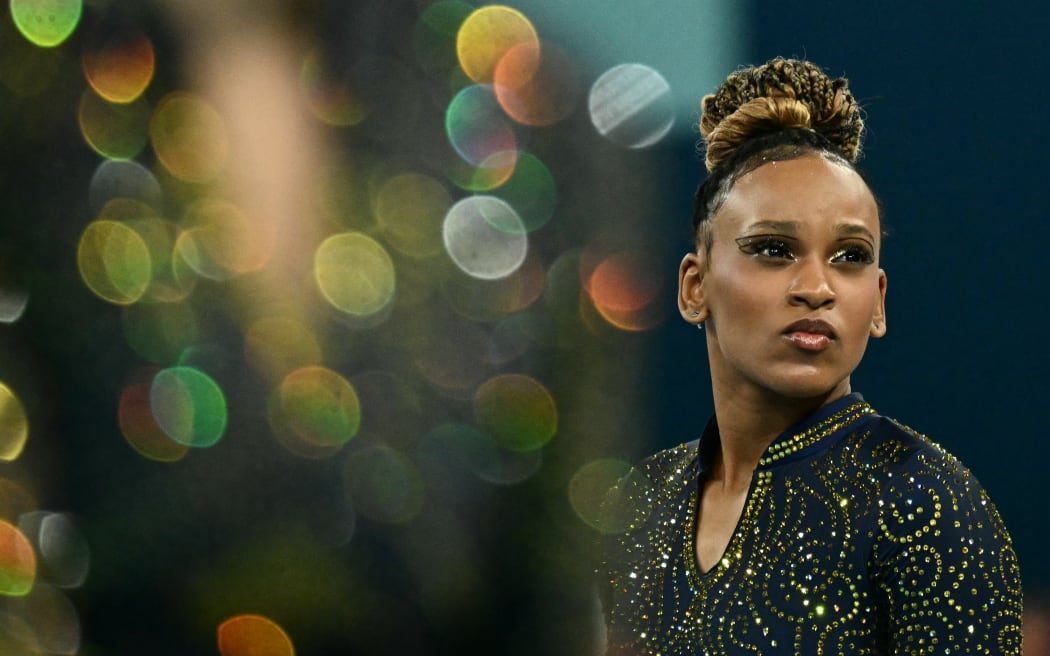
(774, 248)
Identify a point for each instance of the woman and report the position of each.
(801, 521)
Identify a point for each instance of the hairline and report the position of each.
(783, 153)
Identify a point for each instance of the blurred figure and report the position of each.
(1037, 625)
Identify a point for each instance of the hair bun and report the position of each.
(780, 94)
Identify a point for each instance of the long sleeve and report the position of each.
(943, 562)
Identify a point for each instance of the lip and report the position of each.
(811, 334)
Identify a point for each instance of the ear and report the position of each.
(691, 273)
(878, 319)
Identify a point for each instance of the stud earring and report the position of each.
(696, 314)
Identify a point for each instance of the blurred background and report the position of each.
(323, 325)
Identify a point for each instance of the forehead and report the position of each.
(811, 190)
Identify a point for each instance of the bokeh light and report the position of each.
(317, 408)
(46, 623)
(140, 428)
(355, 273)
(589, 489)
(64, 554)
(359, 322)
(536, 85)
(487, 35)
(114, 262)
(171, 277)
(46, 23)
(492, 300)
(55, 622)
(531, 191)
(631, 105)
(409, 209)
(384, 485)
(277, 345)
(12, 305)
(16, 636)
(112, 130)
(493, 172)
(329, 98)
(123, 179)
(14, 425)
(189, 406)
(253, 635)
(515, 335)
(513, 467)
(479, 131)
(454, 362)
(452, 451)
(625, 288)
(189, 137)
(485, 237)
(220, 241)
(517, 410)
(17, 562)
(161, 332)
(118, 63)
(456, 450)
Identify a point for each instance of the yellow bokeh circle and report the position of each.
(487, 35)
(355, 273)
(517, 411)
(14, 427)
(189, 137)
(114, 262)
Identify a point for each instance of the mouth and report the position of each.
(811, 334)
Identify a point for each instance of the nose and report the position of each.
(812, 285)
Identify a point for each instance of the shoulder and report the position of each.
(670, 464)
(629, 504)
(915, 468)
(885, 444)
(928, 497)
(941, 554)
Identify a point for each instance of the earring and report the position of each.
(696, 314)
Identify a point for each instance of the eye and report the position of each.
(859, 253)
(767, 246)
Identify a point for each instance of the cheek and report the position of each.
(739, 298)
(864, 301)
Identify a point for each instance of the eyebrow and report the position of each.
(792, 228)
(854, 230)
(785, 227)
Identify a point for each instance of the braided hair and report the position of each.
(777, 111)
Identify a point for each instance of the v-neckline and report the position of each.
(734, 536)
(793, 443)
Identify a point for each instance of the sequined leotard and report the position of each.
(859, 536)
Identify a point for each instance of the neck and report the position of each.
(749, 421)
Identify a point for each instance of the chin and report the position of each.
(809, 387)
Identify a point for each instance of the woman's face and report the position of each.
(790, 289)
